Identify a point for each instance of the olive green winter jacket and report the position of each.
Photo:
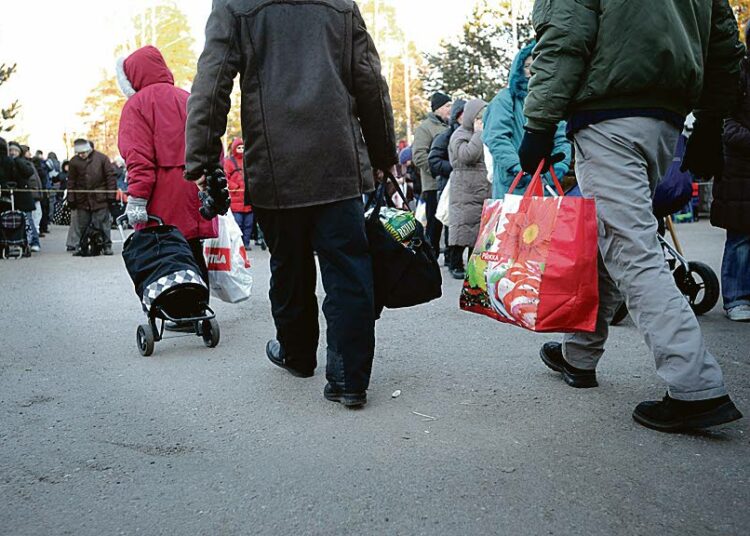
(598, 55)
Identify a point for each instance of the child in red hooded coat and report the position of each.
(234, 167)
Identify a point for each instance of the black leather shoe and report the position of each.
(275, 354)
(552, 356)
(350, 400)
(458, 274)
(670, 415)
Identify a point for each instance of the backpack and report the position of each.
(92, 242)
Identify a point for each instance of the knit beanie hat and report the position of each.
(81, 146)
(439, 100)
(17, 146)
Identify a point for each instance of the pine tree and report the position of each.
(478, 63)
(7, 115)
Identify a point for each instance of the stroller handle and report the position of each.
(124, 217)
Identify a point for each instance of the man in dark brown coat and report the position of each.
(90, 171)
(316, 118)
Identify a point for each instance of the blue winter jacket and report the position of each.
(503, 131)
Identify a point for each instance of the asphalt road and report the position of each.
(96, 440)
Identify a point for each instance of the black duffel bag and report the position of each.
(405, 274)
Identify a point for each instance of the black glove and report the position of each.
(537, 147)
(704, 154)
(215, 199)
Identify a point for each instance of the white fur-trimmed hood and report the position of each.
(122, 79)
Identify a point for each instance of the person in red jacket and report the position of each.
(234, 168)
(152, 142)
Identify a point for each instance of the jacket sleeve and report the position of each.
(440, 165)
(210, 101)
(110, 174)
(421, 147)
(234, 177)
(469, 152)
(562, 146)
(137, 147)
(737, 136)
(373, 99)
(73, 183)
(722, 73)
(566, 35)
(498, 136)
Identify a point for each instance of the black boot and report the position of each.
(670, 415)
(457, 263)
(350, 400)
(552, 355)
(277, 356)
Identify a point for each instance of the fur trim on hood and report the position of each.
(122, 79)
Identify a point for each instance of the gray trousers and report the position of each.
(74, 237)
(619, 163)
(99, 219)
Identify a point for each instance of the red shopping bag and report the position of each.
(535, 261)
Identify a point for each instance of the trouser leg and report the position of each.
(346, 268)
(735, 271)
(434, 227)
(74, 234)
(102, 220)
(619, 163)
(293, 280)
(196, 246)
(32, 234)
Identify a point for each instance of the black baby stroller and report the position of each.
(13, 238)
(696, 280)
(169, 284)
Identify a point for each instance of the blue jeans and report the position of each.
(32, 235)
(246, 221)
(735, 270)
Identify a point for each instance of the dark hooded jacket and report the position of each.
(316, 113)
(731, 206)
(440, 164)
(15, 173)
(152, 142)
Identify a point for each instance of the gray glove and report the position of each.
(136, 211)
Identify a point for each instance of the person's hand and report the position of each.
(704, 154)
(201, 183)
(380, 174)
(536, 148)
(136, 211)
(479, 125)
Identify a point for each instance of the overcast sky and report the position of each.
(64, 47)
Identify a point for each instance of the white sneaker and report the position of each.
(36, 249)
(741, 313)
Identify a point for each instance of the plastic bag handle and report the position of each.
(536, 182)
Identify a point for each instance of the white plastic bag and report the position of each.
(228, 266)
(443, 208)
(421, 213)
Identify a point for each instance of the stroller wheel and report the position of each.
(700, 286)
(620, 315)
(211, 333)
(146, 340)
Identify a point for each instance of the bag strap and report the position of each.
(380, 196)
(536, 188)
